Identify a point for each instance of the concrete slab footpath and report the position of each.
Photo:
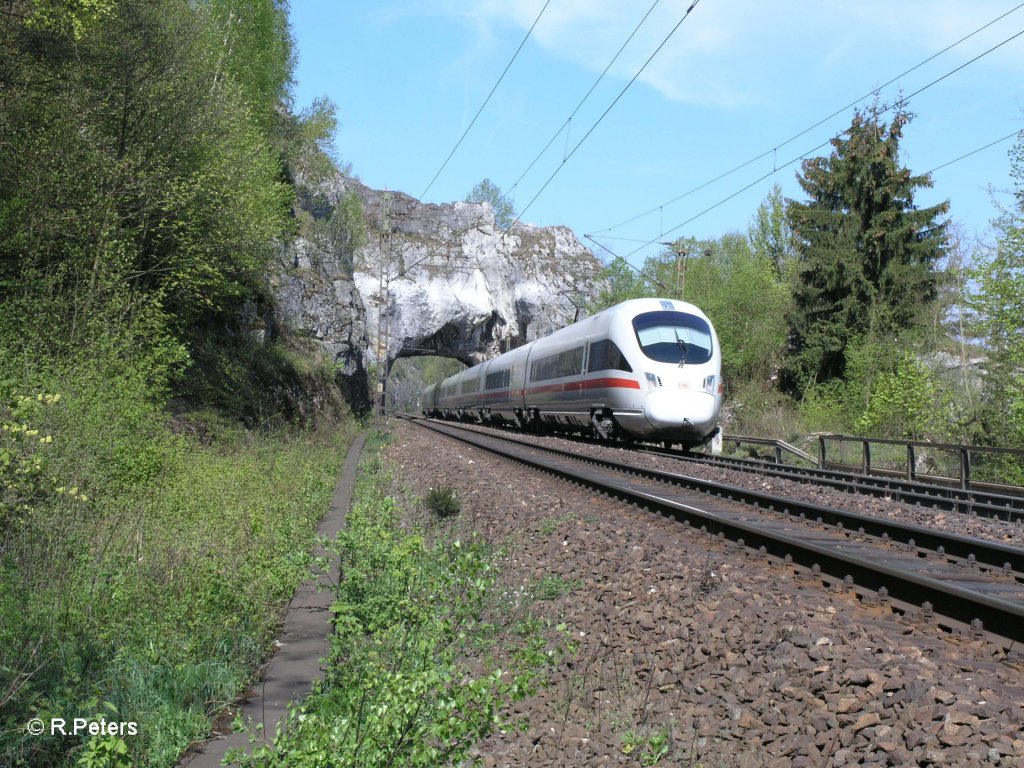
(289, 675)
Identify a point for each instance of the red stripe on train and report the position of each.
(610, 382)
(607, 382)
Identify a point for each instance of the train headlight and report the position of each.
(653, 381)
(709, 384)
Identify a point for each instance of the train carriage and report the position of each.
(504, 382)
(644, 369)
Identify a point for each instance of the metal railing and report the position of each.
(781, 446)
(962, 452)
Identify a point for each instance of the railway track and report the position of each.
(972, 501)
(962, 583)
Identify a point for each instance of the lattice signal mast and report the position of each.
(382, 300)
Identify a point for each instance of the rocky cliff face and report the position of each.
(429, 280)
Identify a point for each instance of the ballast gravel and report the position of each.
(688, 651)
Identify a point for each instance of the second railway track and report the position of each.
(969, 501)
(965, 582)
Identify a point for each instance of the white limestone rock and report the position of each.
(437, 279)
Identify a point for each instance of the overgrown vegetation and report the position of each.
(141, 571)
(413, 678)
(649, 749)
(159, 479)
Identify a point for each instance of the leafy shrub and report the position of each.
(757, 409)
(906, 403)
(825, 407)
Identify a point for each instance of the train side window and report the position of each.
(571, 362)
(499, 379)
(616, 360)
(598, 356)
(568, 363)
(605, 356)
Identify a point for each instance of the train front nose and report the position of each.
(667, 410)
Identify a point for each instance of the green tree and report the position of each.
(739, 289)
(770, 235)
(865, 252)
(251, 49)
(68, 17)
(489, 192)
(138, 166)
(999, 308)
(906, 403)
(619, 282)
(307, 143)
(343, 232)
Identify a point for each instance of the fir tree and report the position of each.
(865, 253)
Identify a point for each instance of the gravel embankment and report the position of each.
(950, 522)
(734, 659)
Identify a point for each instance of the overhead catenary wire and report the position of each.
(651, 278)
(1007, 137)
(778, 168)
(568, 121)
(489, 95)
(567, 155)
(821, 122)
(604, 114)
(518, 218)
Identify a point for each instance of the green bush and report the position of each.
(759, 410)
(825, 407)
(906, 403)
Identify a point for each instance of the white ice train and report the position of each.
(645, 369)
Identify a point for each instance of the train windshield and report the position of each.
(673, 337)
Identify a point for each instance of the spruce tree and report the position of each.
(865, 253)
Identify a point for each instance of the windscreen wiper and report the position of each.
(682, 349)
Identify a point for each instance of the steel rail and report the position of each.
(981, 503)
(969, 548)
(1002, 617)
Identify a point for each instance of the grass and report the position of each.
(442, 502)
(552, 524)
(553, 587)
(155, 589)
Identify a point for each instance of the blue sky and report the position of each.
(735, 80)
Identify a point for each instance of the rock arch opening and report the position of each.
(411, 373)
